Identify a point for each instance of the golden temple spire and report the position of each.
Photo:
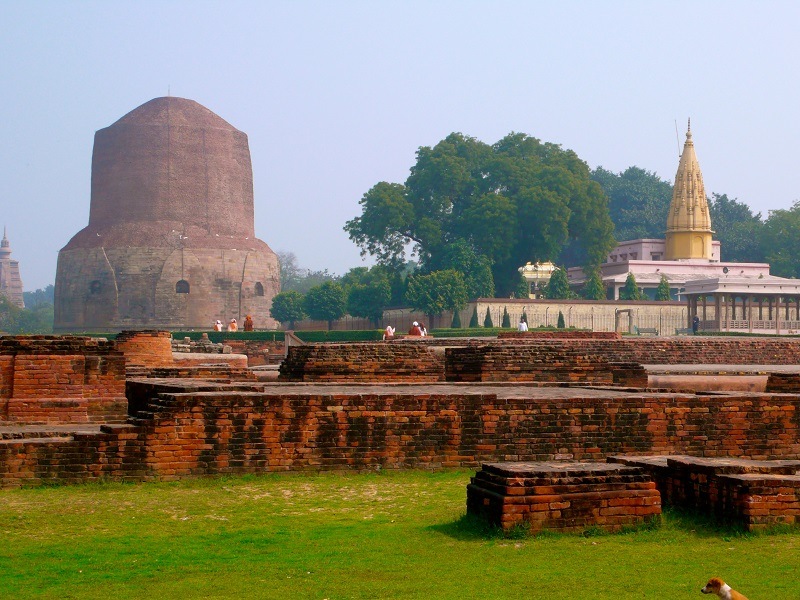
(689, 222)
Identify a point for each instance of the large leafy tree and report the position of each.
(325, 302)
(369, 296)
(638, 202)
(737, 228)
(287, 307)
(781, 241)
(437, 292)
(515, 201)
(475, 267)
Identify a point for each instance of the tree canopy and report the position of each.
(515, 201)
(294, 277)
(287, 307)
(781, 241)
(325, 302)
(437, 292)
(638, 202)
(737, 228)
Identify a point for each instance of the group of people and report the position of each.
(233, 325)
(417, 328)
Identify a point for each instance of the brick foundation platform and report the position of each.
(566, 497)
(755, 494)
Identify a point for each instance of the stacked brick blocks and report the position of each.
(567, 497)
(755, 494)
(46, 379)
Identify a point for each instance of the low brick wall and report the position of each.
(528, 358)
(563, 334)
(207, 430)
(701, 350)
(51, 379)
(784, 382)
(566, 497)
(258, 352)
(371, 362)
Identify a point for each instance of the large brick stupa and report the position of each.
(170, 242)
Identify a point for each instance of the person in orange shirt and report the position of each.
(232, 326)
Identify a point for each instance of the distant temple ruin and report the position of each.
(10, 280)
(170, 242)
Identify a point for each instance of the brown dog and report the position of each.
(716, 586)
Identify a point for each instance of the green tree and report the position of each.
(631, 291)
(473, 320)
(476, 268)
(39, 296)
(511, 202)
(560, 324)
(737, 228)
(368, 292)
(326, 302)
(487, 320)
(524, 316)
(781, 241)
(369, 300)
(558, 286)
(293, 277)
(437, 292)
(662, 291)
(16, 320)
(506, 318)
(287, 307)
(594, 288)
(456, 322)
(638, 202)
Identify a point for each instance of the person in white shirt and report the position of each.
(523, 326)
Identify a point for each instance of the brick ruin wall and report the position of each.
(598, 361)
(46, 379)
(377, 362)
(216, 432)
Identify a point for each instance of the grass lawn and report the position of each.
(388, 535)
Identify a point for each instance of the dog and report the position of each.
(716, 586)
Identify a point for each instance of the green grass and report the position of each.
(389, 535)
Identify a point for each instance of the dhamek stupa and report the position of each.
(170, 242)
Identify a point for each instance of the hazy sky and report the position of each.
(337, 96)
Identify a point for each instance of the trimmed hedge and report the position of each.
(362, 335)
(220, 336)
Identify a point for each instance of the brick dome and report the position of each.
(166, 168)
